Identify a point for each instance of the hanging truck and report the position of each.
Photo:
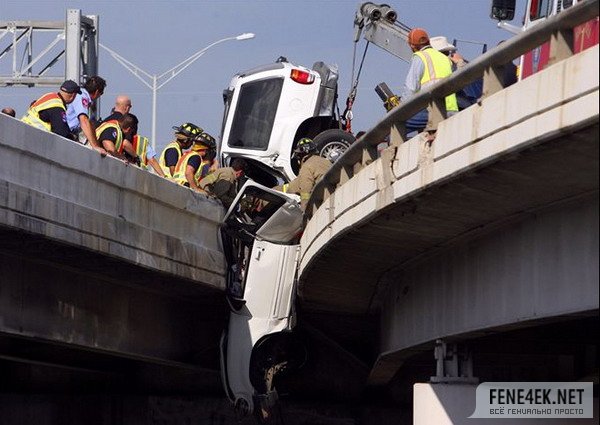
(267, 111)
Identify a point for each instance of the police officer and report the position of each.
(195, 164)
(222, 183)
(78, 112)
(49, 112)
(312, 168)
(184, 138)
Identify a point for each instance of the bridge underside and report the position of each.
(509, 245)
(75, 319)
(446, 213)
(562, 350)
(78, 322)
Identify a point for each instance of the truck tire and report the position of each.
(331, 144)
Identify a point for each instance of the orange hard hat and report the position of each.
(418, 37)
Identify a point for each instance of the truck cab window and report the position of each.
(255, 114)
(540, 9)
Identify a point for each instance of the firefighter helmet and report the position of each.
(205, 139)
(305, 147)
(188, 130)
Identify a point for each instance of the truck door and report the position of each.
(260, 239)
(260, 236)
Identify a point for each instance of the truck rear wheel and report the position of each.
(331, 144)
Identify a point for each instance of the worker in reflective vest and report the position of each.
(427, 67)
(194, 165)
(184, 138)
(145, 152)
(110, 136)
(49, 112)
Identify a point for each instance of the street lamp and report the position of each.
(154, 82)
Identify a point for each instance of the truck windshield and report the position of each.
(255, 114)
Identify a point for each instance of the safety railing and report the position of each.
(557, 29)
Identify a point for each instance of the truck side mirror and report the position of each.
(503, 10)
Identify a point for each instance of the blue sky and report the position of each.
(157, 34)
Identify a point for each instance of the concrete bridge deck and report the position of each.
(102, 259)
(492, 227)
(524, 148)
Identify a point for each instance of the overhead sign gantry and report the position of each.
(75, 40)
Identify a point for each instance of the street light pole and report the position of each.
(154, 82)
(154, 96)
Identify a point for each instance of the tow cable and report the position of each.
(347, 115)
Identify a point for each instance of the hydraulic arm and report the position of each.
(380, 25)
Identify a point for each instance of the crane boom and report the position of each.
(380, 25)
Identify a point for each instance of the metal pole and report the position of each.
(154, 90)
(73, 45)
(176, 70)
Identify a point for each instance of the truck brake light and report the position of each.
(302, 77)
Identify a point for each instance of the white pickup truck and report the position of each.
(270, 108)
(260, 236)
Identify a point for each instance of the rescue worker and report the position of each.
(110, 136)
(195, 165)
(312, 168)
(146, 154)
(222, 183)
(49, 112)
(469, 94)
(427, 67)
(79, 113)
(122, 106)
(184, 138)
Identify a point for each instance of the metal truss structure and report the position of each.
(75, 41)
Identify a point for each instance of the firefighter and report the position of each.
(184, 138)
(49, 112)
(195, 164)
(222, 183)
(312, 168)
(146, 154)
(110, 136)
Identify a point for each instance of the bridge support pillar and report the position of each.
(454, 364)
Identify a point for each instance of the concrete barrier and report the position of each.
(63, 191)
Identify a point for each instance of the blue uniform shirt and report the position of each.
(413, 79)
(81, 105)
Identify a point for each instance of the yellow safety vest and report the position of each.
(47, 101)
(179, 175)
(162, 162)
(437, 67)
(112, 124)
(140, 144)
